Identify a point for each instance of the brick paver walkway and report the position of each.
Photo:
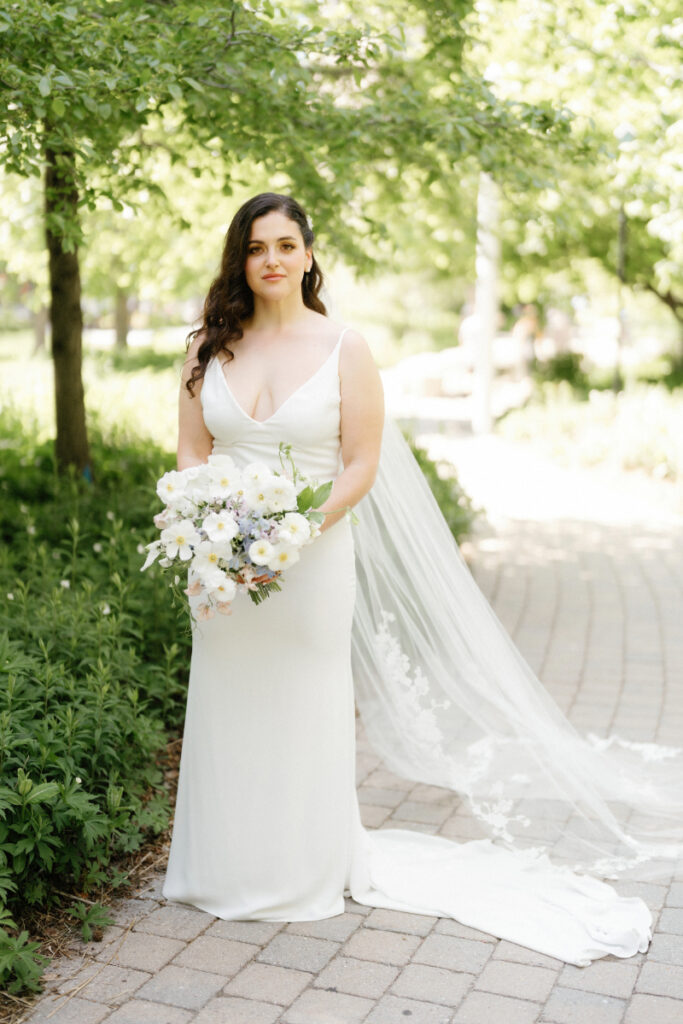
(593, 599)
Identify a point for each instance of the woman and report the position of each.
(267, 824)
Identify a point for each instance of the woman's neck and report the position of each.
(277, 316)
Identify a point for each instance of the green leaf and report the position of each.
(193, 83)
(175, 91)
(321, 494)
(43, 791)
(58, 107)
(305, 499)
(44, 87)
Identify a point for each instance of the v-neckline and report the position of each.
(288, 398)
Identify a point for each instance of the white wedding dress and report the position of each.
(267, 823)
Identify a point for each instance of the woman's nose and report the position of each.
(272, 258)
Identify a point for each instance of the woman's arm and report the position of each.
(194, 440)
(362, 419)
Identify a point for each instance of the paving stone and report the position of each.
(337, 929)
(398, 921)
(181, 986)
(486, 1008)
(522, 955)
(653, 895)
(270, 983)
(351, 907)
(152, 890)
(674, 897)
(422, 793)
(380, 797)
(124, 911)
(666, 949)
(519, 980)
(393, 1009)
(55, 1009)
(384, 947)
(175, 922)
(384, 779)
(661, 979)
(455, 954)
(232, 1010)
(571, 1006)
(357, 977)
(447, 926)
(109, 985)
(608, 977)
(430, 814)
(316, 1006)
(221, 956)
(671, 921)
(298, 951)
(373, 817)
(258, 932)
(433, 984)
(653, 1010)
(144, 952)
(138, 1012)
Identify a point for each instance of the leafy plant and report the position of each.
(456, 506)
(92, 919)
(21, 965)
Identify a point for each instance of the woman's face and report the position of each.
(276, 256)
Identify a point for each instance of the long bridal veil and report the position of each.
(447, 699)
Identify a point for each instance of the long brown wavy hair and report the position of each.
(230, 300)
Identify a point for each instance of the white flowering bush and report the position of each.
(235, 530)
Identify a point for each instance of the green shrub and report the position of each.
(456, 506)
(92, 659)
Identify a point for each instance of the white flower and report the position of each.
(222, 461)
(30, 529)
(260, 551)
(280, 494)
(105, 609)
(220, 526)
(97, 547)
(110, 516)
(225, 591)
(65, 583)
(283, 556)
(10, 597)
(170, 488)
(224, 477)
(294, 529)
(206, 563)
(179, 539)
(153, 552)
(257, 473)
(256, 498)
(79, 779)
(140, 549)
(198, 483)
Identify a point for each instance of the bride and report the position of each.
(385, 612)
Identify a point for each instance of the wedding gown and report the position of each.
(267, 823)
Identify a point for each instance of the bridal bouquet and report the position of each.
(236, 529)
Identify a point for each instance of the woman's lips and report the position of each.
(272, 277)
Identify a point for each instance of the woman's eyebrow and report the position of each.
(285, 238)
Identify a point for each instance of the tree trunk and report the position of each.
(39, 330)
(61, 199)
(122, 318)
(485, 302)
